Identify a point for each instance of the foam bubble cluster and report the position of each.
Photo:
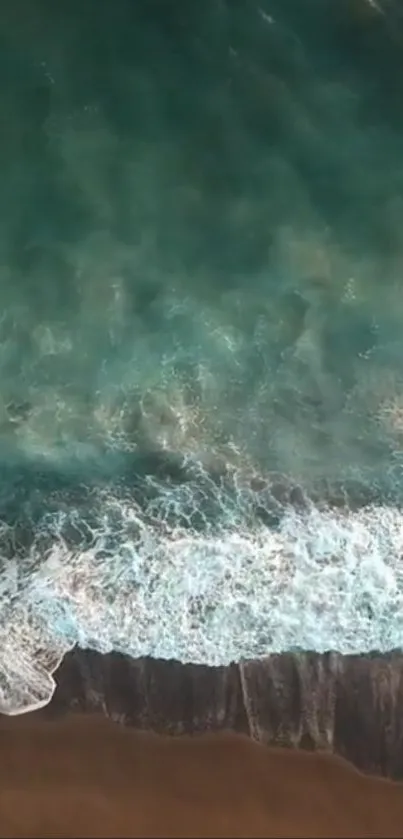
(154, 579)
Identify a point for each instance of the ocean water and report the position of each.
(201, 330)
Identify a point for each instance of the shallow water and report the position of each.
(201, 351)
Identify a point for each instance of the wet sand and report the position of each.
(87, 776)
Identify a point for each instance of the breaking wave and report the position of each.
(204, 570)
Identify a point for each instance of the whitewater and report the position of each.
(141, 579)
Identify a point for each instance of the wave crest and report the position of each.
(166, 578)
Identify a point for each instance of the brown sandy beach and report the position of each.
(84, 775)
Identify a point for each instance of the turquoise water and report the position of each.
(201, 309)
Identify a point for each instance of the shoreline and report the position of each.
(348, 706)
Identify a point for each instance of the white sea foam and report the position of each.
(145, 585)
